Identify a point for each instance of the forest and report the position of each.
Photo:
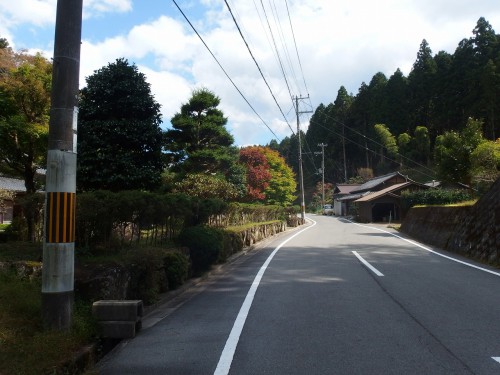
(441, 122)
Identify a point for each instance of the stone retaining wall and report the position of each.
(472, 231)
(260, 232)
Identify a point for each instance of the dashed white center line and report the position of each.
(373, 269)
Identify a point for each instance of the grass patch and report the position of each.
(25, 348)
(471, 202)
(394, 226)
(463, 204)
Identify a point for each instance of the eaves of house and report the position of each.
(12, 184)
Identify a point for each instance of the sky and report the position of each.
(290, 49)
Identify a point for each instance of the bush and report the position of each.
(232, 243)
(176, 268)
(205, 244)
(434, 197)
(17, 231)
(148, 277)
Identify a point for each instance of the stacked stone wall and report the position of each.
(471, 231)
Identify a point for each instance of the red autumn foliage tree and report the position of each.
(258, 172)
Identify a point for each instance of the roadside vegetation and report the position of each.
(172, 203)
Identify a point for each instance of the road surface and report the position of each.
(331, 297)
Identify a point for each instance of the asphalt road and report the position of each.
(332, 297)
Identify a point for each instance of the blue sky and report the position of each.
(339, 42)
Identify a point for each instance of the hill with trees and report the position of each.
(419, 124)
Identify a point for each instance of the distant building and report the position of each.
(16, 186)
(340, 208)
(378, 199)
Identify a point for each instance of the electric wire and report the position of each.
(370, 150)
(227, 75)
(276, 49)
(380, 144)
(274, 10)
(256, 63)
(296, 49)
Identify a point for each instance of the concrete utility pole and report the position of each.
(322, 145)
(301, 176)
(60, 198)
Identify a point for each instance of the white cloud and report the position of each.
(170, 90)
(34, 12)
(107, 6)
(339, 43)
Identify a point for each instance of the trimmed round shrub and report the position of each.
(204, 245)
(233, 243)
(176, 268)
(147, 276)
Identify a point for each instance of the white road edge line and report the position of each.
(429, 250)
(496, 359)
(362, 260)
(227, 355)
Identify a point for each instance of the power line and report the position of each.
(296, 49)
(276, 49)
(370, 150)
(255, 61)
(227, 75)
(380, 144)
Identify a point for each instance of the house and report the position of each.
(340, 208)
(384, 205)
(379, 198)
(7, 207)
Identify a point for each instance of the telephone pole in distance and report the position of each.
(301, 175)
(322, 145)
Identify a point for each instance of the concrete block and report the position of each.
(118, 310)
(119, 329)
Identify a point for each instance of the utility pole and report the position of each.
(322, 145)
(60, 197)
(343, 151)
(301, 175)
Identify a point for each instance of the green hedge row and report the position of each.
(236, 214)
(104, 217)
(434, 197)
(208, 245)
(108, 219)
(153, 271)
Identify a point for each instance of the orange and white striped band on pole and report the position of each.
(60, 225)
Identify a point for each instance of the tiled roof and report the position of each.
(382, 192)
(375, 182)
(346, 188)
(349, 197)
(12, 184)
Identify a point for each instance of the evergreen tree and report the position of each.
(421, 85)
(397, 105)
(442, 116)
(200, 143)
(119, 135)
